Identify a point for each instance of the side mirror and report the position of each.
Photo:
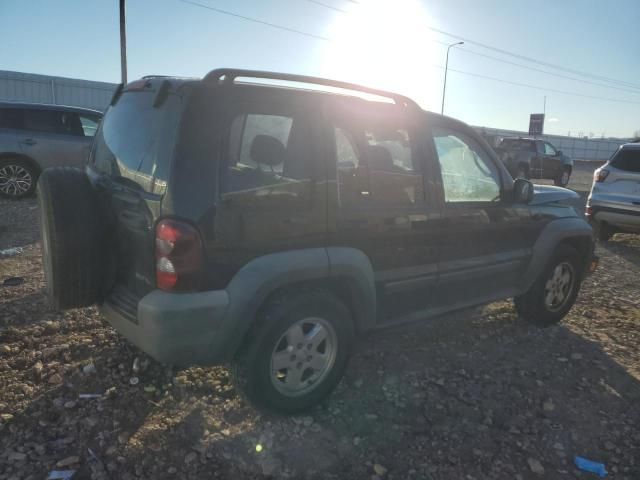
(559, 152)
(522, 191)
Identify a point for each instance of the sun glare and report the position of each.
(381, 44)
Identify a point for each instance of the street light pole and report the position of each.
(446, 67)
(123, 44)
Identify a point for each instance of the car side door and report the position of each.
(378, 203)
(53, 138)
(482, 234)
(551, 161)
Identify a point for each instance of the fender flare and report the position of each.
(552, 235)
(264, 275)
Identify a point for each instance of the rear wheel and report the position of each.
(562, 180)
(297, 353)
(72, 238)
(17, 178)
(554, 292)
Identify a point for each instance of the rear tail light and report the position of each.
(600, 175)
(588, 211)
(179, 256)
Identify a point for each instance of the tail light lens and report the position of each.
(179, 256)
(588, 211)
(600, 175)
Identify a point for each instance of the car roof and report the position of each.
(46, 106)
(520, 138)
(630, 146)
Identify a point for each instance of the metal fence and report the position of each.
(32, 88)
(593, 149)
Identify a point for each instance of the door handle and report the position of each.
(29, 141)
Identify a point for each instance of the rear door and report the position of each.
(483, 238)
(537, 160)
(378, 202)
(551, 162)
(272, 194)
(53, 138)
(129, 165)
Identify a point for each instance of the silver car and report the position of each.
(614, 202)
(34, 137)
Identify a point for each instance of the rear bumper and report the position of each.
(615, 216)
(174, 328)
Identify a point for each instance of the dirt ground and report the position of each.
(476, 395)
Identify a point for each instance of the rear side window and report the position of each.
(11, 118)
(89, 124)
(269, 157)
(627, 160)
(376, 162)
(518, 144)
(136, 140)
(52, 121)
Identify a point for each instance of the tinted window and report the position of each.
(89, 124)
(269, 157)
(10, 118)
(549, 150)
(48, 121)
(468, 174)
(518, 144)
(628, 160)
(376, 163)
(135, 140)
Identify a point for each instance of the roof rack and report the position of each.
(228, 75)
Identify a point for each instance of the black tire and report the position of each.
(18, 178)
(602, 231)
(252, 368)
(562, 180)
(72, 234)
(532, 307)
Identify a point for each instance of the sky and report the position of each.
(391, 44)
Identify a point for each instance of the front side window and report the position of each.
(376, 163)
(549, 150)
(468, 173)
(269, 157)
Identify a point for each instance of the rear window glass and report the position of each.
(524, 145)
(136, 140)
(628, 160)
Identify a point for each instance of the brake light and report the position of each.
(588, 211)
(179, 256)
(600, 175)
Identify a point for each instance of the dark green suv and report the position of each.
(270, 226)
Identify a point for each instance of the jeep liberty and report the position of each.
(236, 220)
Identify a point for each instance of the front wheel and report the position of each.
(562, 180)
(554, 292)
(297, 353)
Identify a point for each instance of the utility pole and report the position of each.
(123, 44)
(446, 67)
(544, 106)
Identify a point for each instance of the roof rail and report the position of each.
(228, 75)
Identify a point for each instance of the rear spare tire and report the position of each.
(72, 238)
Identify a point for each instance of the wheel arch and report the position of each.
(25, 158)
(345, 272)
(574, 232)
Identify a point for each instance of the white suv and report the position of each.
(614, 202)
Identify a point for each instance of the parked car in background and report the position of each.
(533, 158)
(614, 202)
(34, 137)
(270, 227)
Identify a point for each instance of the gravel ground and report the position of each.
(476, 395)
